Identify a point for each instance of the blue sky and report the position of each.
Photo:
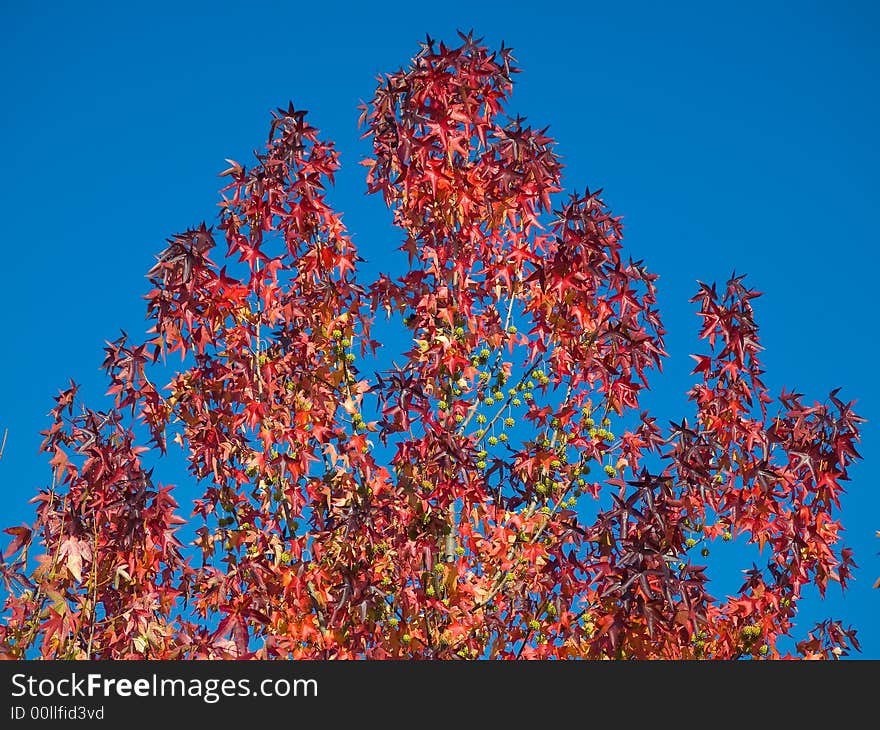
(738, 137)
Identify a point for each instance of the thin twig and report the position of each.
(94, 611)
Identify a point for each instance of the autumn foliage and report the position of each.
(496, 493)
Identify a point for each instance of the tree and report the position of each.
(472, 501)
